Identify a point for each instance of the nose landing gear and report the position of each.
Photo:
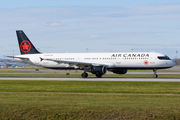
(155, 75)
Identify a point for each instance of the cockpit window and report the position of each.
(163, 58)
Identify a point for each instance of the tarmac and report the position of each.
(95, 79)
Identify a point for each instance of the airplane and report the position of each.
(95, 63)
(2, 64)
(11, 64)
(8, 63)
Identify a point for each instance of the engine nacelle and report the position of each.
(119, 71)
(98, 70)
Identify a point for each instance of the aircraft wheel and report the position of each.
(98, 75)
(155, 76)
(84, 75)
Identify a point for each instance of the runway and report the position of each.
(95, 79)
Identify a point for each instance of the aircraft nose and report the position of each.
(173, 63)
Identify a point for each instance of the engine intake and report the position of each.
(98, 70)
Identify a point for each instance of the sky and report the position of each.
(80, 26)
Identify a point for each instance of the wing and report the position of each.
(21, 58)
(76, 64)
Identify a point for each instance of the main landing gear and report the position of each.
(85, 75)
(98, 75)
(155, 75)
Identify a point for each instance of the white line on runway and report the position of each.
(95, 79)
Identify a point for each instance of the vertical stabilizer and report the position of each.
(25, 45)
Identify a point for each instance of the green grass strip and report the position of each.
(91, 87)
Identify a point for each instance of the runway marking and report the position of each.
(94, 79)
(64, 93)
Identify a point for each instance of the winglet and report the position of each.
(41, 59)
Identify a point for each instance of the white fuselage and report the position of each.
(139, 60)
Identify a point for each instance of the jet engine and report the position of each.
(98, 70)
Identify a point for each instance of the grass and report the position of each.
(81, 100)
(91, 87)
(69, 106)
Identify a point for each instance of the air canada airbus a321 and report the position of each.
(95, 63)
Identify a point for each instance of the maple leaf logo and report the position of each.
(25, 46)
(146, 62)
